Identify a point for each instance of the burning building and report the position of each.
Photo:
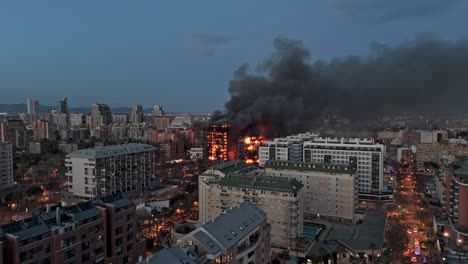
(216, 143)
(248, 148)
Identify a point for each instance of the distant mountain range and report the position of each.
(22, 108)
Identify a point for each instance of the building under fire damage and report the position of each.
(248, 149)
(216, 143)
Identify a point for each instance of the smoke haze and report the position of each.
(290, 94)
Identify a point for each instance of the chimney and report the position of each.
(57, 215)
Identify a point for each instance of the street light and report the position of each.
(446, 234)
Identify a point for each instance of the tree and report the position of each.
(284, 256)
(35, 190)
(372, 246)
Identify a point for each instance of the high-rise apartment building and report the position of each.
(76, 120)
(33, 109)
(331, 190)
(365, 154)
(288, 148)
(6, 165)
(100, 116)
(137, 114)
(158, 111)
(240, 236)
(99, 231)
(14, 131)
(280, 198)
(41, 130)
(62, 106)
(104, 170)
(216, 143)
(456, 190)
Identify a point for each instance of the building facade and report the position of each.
(41, 130)
(280, 198)
(367, 156)
(100, 116)
(216, 143)
(331, 190)
(104, 170)
(137, 114)
(99, 231)
(14, 131)
(455, 208)
(6, 165)
(33, 109)
(62, 106)
(288, 148)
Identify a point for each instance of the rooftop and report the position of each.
(229, 166)
(372, 230)
(42, 223)
(228, 229)
(303, 166)
(170, 255)
(261, 182)
(460, 168)
(110, 151)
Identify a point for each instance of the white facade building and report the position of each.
(364, 153)
(288, 148)
(105, 170)
(6, 165)
(330, 189)
(367, 156)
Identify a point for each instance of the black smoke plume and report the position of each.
(288, 93)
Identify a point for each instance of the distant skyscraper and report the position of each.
(62, 106)
(137, 114)
(33, 109)
(158, 110)
(100, 115)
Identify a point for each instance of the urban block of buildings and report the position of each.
(366, 155)
(98, 231)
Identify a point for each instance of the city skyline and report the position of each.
(141, 60)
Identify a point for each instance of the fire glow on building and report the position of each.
(216, 143)
(248, 148)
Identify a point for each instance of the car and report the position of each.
(417, 251)
(414, 260)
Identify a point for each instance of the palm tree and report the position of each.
(340, 250)
(284, 256)
(372, 246)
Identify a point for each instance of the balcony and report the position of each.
(251, 243)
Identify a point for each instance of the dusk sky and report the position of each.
(182, 54)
